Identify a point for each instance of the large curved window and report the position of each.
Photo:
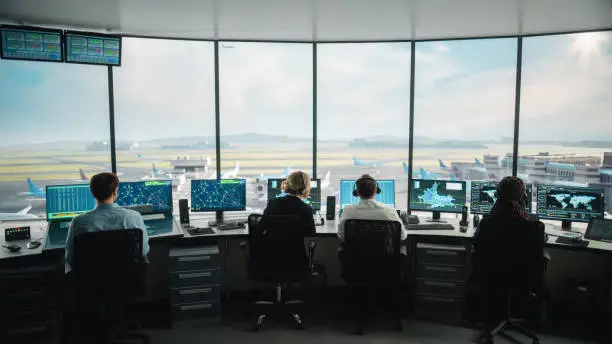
(266, 113)
(565, 110)
(55, 130)
(363, 112)
(165, 112)
(464, 108)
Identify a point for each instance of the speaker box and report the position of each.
(330, 213)
(183, 211)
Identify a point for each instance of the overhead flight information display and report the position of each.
(154, 193)
(438, 195)
(93, 48)
(483, 197)
(314, 200)
(31, 44)
(386, 195)
(218, 194)
(68, 201)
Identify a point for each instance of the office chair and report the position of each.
(109, 273)
(276, 256)
(510, 261)
(371, 263)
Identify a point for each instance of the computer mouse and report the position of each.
(33, 245)
(12, 247)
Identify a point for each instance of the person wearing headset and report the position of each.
(368, 208)
(296, 189)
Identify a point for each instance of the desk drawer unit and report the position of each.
(195, 284)
(440, 281)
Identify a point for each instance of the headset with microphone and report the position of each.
(363, 179)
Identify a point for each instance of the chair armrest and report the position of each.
(312, 245)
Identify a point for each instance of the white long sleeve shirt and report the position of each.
(369, 209)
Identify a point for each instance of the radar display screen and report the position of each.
(218, 194)
(438, 195)
(570, 203)
(157, 194)
(65, 202)
(386, 195)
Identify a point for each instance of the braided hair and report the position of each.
(511, 199)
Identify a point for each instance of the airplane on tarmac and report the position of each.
(35, 193)
(23, 214)
(357, 162)
(232, 173)
(424, 174)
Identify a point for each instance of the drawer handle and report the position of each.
(440, 268)
(192, 307)
(195, 291)
(29, 330)
(438, 299)
(193, 258)
(441, 253)
(195, 275)
(440, 284)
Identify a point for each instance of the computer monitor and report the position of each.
(147, 197)
(31, 43)
(93, 48)
(569, 203)
(438, 196)
(482, 197)
(386, 195)
(64, 202)
(218, 195)
(314, 200)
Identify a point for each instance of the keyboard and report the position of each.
(199, 230)
(227, 226)
(430, 226)
(232, 222)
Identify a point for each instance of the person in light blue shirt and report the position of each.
(107, 215)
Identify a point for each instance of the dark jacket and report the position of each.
(513, 243)
(291, 205)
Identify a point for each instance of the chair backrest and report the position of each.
(276, 248)
(511, 252)
(372, 251)
(109, 263)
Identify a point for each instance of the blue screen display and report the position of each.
(31, 44)
(386, 196)
(438, 195)
(314, 200)
(154, 193)
(213, 194)
(86, 48)
(68, 201)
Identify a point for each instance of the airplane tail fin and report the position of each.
(405, 165)
(155, 171)
(356, 161)
(237, 168)
(442, 165)
(424, 174)
(478, 162)
(326, 181)
(139, 156)
(32, 187)
(83, 176)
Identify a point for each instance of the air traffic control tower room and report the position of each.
(372, 171)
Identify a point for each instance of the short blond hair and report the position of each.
(296, 183)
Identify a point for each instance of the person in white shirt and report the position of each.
(368, 208)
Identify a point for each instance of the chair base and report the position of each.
(507, 325)
(279, 306)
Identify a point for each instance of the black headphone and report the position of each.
(362, 179)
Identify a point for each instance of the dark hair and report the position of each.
(366, 186)
(102, 185)
(511, 198)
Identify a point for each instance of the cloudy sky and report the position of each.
(464, 90)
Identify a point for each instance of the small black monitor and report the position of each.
(569, 203)
(438, 196)
(482, 197)
(31, 43)
(209, 195)
(93, 48)
(314, 200)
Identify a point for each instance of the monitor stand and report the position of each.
(218, 219)
(566, 225)
(436, 218)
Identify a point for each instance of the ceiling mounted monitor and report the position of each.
(93, 48)
(31, 43)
